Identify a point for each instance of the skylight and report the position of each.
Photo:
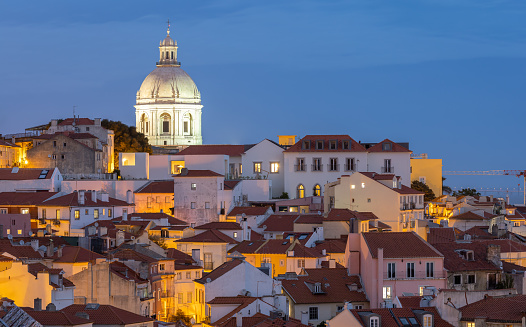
(43, 174)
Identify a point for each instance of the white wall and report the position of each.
(266, 152)
(137, 165)
(400, 161)
(116, 189)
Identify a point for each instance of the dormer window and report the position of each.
(317, 288)
(333, 145)
(427, 321)
(466, 254)
(319, 145)
(306, 145)
(345, 145)
(387, 146)
(374, 322)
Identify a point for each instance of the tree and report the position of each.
(284, 195)
(158, 240)
(446, 189)
(127, 139)
(467, 192)
(422, 187)
(180, 316)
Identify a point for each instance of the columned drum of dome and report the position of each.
(168, 105)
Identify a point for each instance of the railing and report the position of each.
(331, 167)
(316, 167)
(402, 275)
(300, 167)
(208, 266)
(388, 170)
(350, 167)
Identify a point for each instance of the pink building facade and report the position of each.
(17, 225)
(391, 264)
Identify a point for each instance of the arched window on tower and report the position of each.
(317, 190)
(165, 121)
(167, 55)
(187, 124)
(172, 55)
(144, 124)
(300, 191)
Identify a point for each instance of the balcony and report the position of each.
(316, 167)
(208, 266)
(388, 170)
(402, 275)
(333, 167)
(349, 167)
(300, 167)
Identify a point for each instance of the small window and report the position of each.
(257, 167)
(410, 272)
(19, 232)
(44, 213)
(54, 156)
(161, 267)
(235, 234)
(345, 145)
(313, 313)
(374, 322)
(207, 205)
(54, 144)
(333, 145)
(86, 212)
(391, 270)
(317, 190)
(63, 157)
(301, 263)
(77, 214)
(274, 167)
(319, 145)
(64, 144)
(369, 200)
(58, 213)
(306, 145)
(471, 279)
(109, 212)
(457, 279)
(87, 129)
(430, 267)
(96, 213)
(387, 292)
(193, 187)
(192, 205)
(428, 321)
(300, 191)
(386, 146)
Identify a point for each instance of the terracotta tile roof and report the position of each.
(391, 317)
(241, 301)
(274, 246)
(229, 185)
(346, 215)
(147, 216)
(410, 301)
(504, 309)
(332, 246)
(6, 174)
(509, 267)
(78, 121)
(180, 257)
(126, 273)
(24, 198)
(354, 146)
(335, 284)
(309, 219)
(70, 134)
(249, 211)
(57, 240)
(129, 254)
(395, 147)
(279, 223)
(478, 232)
(255, 236)
(218, 225)
(400, 245)
(210, 236)
(255, 320)
(249, 246)
(470, 215)
(157, 187)
(406, 190)
(219, 271)
(18, 251)
(442, 235)
(506, 245)
(5, 259)
(35, 268)
(72, 200)
(453, 261)
(72, 254)
(381, 225)
(177, 228)
(107, 314)
(226, 149)
(9, 144)
(55, 318)
(198, 173)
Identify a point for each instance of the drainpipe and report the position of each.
(380, 277)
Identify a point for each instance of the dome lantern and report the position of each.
(168, 51)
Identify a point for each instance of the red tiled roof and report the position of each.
(249, 211)
(279, 223)
(354, 146)
(470, 215)
(6, 174)
(210, 236)
(496, 309)
(180, 257)
(346, 215)
(124, 272)
(78, 121)
(229, 185)
(334, 284)
(146, 216)
(70, 134)
(129, 254)
(410, 301)
(35, 268)
(442, 235)
(72, 200)
(509, 267)
(402, 190)
(226, 149)
(241, 301)
(274, 246)
(506, 245)
(400, 245)
(218, 225)
(24, 198)
(55, 318)
(9, 144)
(157, 187)
(391, 317)
(219, 271)
(332, 246)
(453, 261)
(255, 236)
(198, 173)
(478, 232)
(18, 251)
(107, 315)
(395, 147)
(73, 254)
(309, 219)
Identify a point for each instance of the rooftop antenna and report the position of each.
(74, 115)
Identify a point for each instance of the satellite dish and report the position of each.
(319, 213)
(31, 233)
(96, 224)
(10, 237)
(21, 242)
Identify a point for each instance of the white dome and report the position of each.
(168, 41)
(168, 84)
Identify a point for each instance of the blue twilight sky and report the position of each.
(448, 76)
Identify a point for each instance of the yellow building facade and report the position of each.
(428, 171)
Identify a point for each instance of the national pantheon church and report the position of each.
(168, 107)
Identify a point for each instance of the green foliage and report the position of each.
(321, 324)
(158, 240)
(180, 316)
(127, 139)
(466, 192)
(506, 283)
(284, 195)
(446, 189)
(422, 187)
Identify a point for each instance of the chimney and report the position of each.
(96, 121)
(324, 252)
(129, 196)
(94, 196)
(50, 249)
(305, 317)
(59, 251)
(34, 244)
(332, 263)
(81, 197)
(119, 238)
(125, 215)
(37, 304)
(51, 307)
(53, 122)
(493, 254)
(239, 320)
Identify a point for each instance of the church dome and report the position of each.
(168, 41)
(168, 84)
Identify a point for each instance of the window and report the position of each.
(428, 321)
(96, 213)
(64, 144)
(306, 145)
(386, 146)
(109, 212)
(333, 144)
(24, 211)
(317, 190)
(387, 166)
(197, 275)
(189, 296)
(350, 164)
(180, 298)
(316, 164)
(165, 119)
(313, 313)
(3, 210)
(300, 191)
(192, 205)
(58, 213)
(282, 263)
(387, 292)
(368, 200)
(179, 276)
(207, 205)
(430, 267)
(471, 279)
(274, 167)
(516, 224)
(391, 270)
(470, 324)
(77, 214)
(301, 263)
(257, 167)
(300, 164)
(374, 322)
(161, 267)
(333, 164)
(54, 156)
(410, 272)
(188, 275)
(86, 212)
(193, 187)
(457, 279)
(63, 157)
(319, 145)
(44, 213)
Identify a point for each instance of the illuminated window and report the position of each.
(19, 232)
(387, 292)
(189, 296)
(428, 321)
(363, 185)
(353, 187)
(44, 213)
(109, 212)
(301, 263)
(470, 324)
(235, 234)
(257, 167)
(96, 213)
(58, 213)
(274, 167)
(301, 191)
(194, 186)
(317, 190)
(77, 214)
(8, 231)
(180, 298)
